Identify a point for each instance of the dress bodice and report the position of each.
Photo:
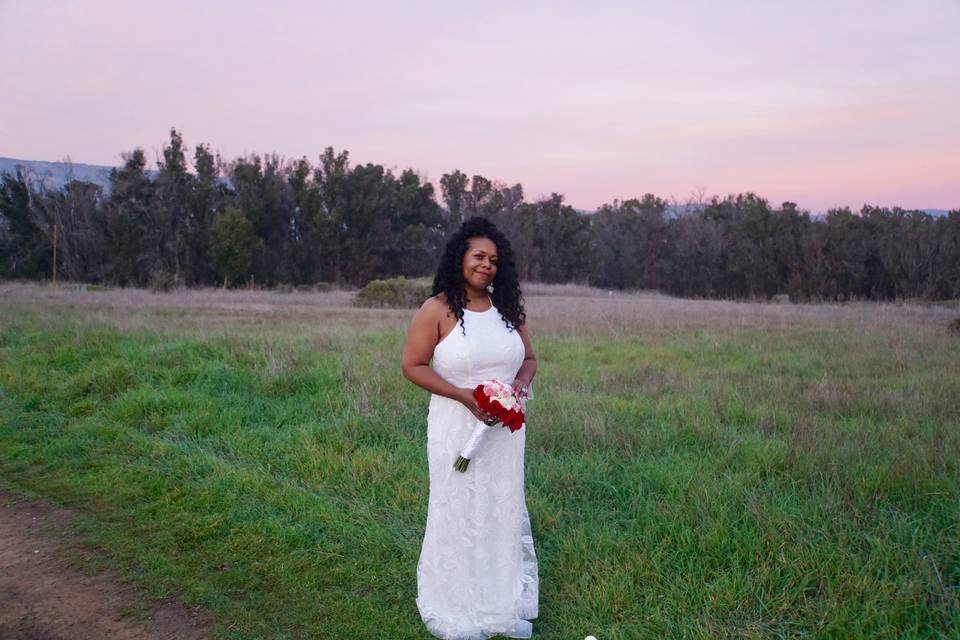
(482, 349)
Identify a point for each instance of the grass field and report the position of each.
(694, 469)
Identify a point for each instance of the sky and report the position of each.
(820, 103)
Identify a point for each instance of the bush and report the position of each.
(953, 328)
(394, 292)
(162, 281)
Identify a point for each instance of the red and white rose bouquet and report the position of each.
(503, 402)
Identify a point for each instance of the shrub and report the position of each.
(953, 327)
(394, 292)
(162, 281)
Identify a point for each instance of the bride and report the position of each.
(477, 575)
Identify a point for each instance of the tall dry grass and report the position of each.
(566, 309)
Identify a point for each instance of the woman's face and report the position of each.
(479, 263)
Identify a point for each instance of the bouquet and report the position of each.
(499, 400)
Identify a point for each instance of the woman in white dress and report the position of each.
(477, 575)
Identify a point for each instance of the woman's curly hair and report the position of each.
(506, 294)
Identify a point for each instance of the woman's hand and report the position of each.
(465, 397)
(521, 389)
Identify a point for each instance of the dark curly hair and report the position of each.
(506, 294)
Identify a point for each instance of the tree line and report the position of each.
(270, 221)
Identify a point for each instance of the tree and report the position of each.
(948, 256)
(233, 243)
(879, 281)
(206, 200)
(331, 179)
(261, 191)
(364, 213)
(630, 243)
(650, 229)
(24, 247)
(131, 248)
(696, 263)
(307, 250)
(518, 222)
(171, 215)
(453, 186)
(562, 242)
(282, 221)
(76, 214)
(416, 229)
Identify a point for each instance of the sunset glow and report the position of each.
(823, 104)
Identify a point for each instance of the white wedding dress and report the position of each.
(477, 575)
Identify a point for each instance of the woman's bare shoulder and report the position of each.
(434, 306)
(437, 303)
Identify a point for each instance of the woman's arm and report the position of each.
(422, 338)
(529, 367)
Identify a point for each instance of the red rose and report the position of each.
(511, 418)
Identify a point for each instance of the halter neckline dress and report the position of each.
(477, 574)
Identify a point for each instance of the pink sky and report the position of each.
(822, 103)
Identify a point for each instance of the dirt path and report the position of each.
(43, 598)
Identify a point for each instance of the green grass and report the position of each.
(776, 482)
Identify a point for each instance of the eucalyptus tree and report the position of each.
(173, 224)
(130, 239)
(260, 191)
(416, 229)
(453, 186)
(24, 246)
(73, 213)
(207, 199)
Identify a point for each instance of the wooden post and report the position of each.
(54, 266)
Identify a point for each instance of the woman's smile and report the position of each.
(480, 262)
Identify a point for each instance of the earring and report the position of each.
(490, 288)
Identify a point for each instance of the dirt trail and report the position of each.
(43, 598)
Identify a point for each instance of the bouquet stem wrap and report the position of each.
(470, 449)
(499, 400)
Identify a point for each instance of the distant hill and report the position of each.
(54, 175)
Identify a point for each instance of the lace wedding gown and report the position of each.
(477, 574)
